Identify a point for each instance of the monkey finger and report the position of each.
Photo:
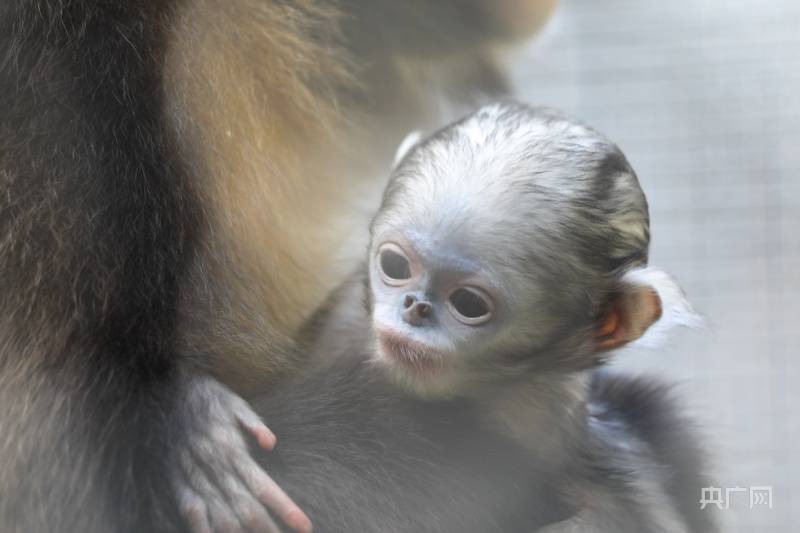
(191, 505)
(271, 495)
(220, 514)
(249, 420)
(238, 499)
(253, 424)
(252, 514)
(194, 511)
(199, 475)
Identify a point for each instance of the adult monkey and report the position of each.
(170, 175)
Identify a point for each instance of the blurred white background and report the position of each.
(704, 98)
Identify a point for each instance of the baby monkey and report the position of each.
(458, 386)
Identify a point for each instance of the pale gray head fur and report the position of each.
(544, 207)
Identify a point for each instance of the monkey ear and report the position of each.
(649, 304)
(411, 140)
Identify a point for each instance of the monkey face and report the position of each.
(451, 312)
(434, 309)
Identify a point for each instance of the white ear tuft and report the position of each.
(675, 308)
(411, 139)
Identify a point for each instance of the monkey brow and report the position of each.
(453, 264)
(434, 255)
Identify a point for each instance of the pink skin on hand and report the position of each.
(272, 495)
(265, 438)
(219, 486)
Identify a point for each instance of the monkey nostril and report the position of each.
(408, 301)
(424, 309)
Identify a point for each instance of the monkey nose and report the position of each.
(416, 311)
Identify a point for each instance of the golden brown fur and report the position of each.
(262, 147)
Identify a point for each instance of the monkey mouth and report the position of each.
(413, 355)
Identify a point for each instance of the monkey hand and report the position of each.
(220, 487)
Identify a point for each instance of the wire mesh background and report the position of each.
(704, 98)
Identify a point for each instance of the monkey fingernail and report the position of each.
(298, 521)
(266, 438)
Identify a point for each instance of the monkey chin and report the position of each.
(415, 366)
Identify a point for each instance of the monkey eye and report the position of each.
(470, 305)
(394, 265)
